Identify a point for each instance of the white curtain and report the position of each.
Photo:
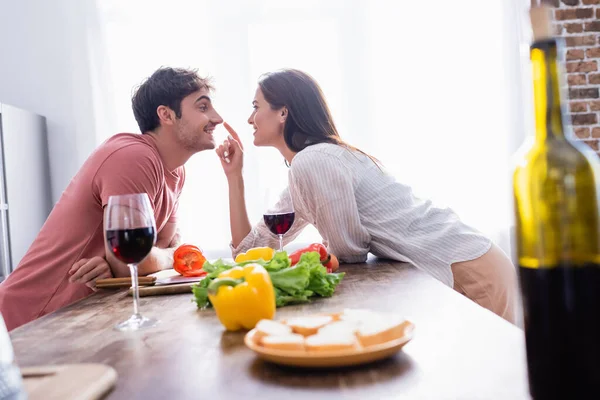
(432, 89)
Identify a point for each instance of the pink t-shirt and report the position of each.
(125, 163)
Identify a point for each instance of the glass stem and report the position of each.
(135, 287)
(280, 242)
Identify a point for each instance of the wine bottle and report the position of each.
(556, 195)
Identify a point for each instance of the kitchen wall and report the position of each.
(48, 66)
(578, 22)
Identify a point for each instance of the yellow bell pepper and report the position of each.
(242, 296)
(266, 253)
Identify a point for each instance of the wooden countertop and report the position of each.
(460, 350)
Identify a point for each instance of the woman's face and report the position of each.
(268, 123)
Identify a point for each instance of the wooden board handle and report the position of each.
(124, 282)
(164, 289)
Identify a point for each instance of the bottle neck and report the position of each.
(546, 90)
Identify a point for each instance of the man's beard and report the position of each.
(194, 142)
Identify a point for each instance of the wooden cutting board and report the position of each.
(68, 381)
(164, 289)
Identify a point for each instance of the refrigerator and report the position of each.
(25, 195)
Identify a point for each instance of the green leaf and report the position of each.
(217, 267)
(311, 258)
(291, 280)
(201, 293)
(335, 279)
(280, 261)
(320, 282)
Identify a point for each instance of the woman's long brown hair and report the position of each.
(309, 120)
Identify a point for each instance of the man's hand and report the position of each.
(87, 270)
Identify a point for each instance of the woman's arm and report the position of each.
(238, 215)
(231, 155)
(243, 235)
(260, 235)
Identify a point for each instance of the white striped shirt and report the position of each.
(357, 208)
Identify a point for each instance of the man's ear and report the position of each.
(165, 115)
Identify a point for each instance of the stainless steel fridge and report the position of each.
(25, 195)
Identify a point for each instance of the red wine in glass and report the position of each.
(130, 232)
(131, 245)
(280, 224)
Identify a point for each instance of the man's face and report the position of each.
(194, 130)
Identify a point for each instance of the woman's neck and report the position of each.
(285, 151)
(287, 154)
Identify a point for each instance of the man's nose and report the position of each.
(217, 119)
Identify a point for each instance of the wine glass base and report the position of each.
(136, 322)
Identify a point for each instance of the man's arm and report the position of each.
(160, 257)
(157, 260)
(169, 236)
(87, 271)
(176, 239)
(135, 169)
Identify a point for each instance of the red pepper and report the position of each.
(188, 260)
(318, 247)
(333, 264)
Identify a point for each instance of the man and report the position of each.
(174, 112)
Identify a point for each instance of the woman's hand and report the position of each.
(231, 154)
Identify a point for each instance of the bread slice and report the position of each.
(267, 327)
(358, 315)
(307, 326)
(334, 316)
(339, 327)
(381, 330)
(334, 341)
(284, 342)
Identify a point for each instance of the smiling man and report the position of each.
(174, 112)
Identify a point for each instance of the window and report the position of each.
(429, 88)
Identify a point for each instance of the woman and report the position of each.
(356, 207)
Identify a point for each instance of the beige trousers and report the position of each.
(490, 281)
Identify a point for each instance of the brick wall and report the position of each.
(579, 23)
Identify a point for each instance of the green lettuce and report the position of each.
(293, 285)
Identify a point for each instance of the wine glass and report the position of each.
(130, 235)
(280, 221)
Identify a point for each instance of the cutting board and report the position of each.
(164, 289)
(68, 381)
(165, 277)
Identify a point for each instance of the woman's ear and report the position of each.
(283, 114)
